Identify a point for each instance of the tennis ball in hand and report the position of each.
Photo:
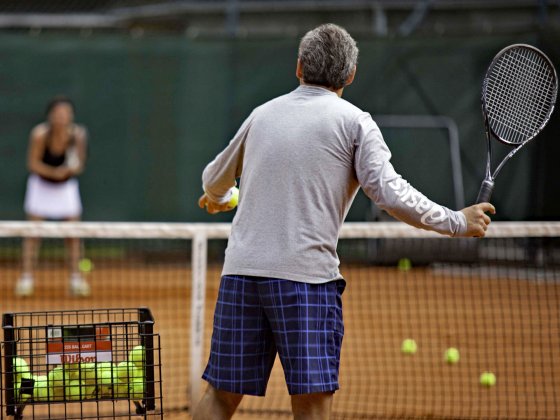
(409, 346)
(452, 355)
(137, 356)
(234, 197)
(487, 379)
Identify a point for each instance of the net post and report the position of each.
(198, 296)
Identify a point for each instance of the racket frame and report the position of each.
(487, 185)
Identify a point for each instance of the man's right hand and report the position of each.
(211, 206)
(477, 219)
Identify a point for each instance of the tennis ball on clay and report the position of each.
(487, 379)
(404, 264)
(128, 372)
(409, 346)
(452, 355)
(234, 197)
(137, 356)
(85, 265)
(41, 388)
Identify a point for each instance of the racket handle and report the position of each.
(485, 191)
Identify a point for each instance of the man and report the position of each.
(302, 158)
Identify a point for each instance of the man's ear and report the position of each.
(299, 71)
(351, 77)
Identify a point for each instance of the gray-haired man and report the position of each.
(302, 158)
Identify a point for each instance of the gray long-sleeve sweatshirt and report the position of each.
(302, 158)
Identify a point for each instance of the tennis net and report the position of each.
(496, 300)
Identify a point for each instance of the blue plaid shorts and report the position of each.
(257, 317)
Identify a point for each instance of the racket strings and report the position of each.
(526, 90)
(518, 89)
(520, 92)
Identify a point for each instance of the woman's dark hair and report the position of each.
(57, 100)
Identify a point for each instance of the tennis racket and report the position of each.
(518, 97)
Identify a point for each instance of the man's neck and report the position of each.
(337, 91)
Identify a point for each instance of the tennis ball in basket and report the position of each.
(41, 388)
(404, 264)
(120, 390)
(73, 370)
(57, 378)
(451, 355)
(87, 372)
(487, 379)
(128, 372)
(234, 197)
(136, 390)
(19, 366)
(409, 346)
(106, 373)
(137, 356)
(23, 389)
(85, 265)
(75, 390)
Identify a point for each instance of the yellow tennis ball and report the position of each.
(137, 356)
(75, 390)
(234, 197)
(41, 388)
(121, 390)
(106, 373)
(57, 379)
(87, 372)
(404, 264)
(409, 346)
(85, 265)
(19, 366)
(23, 387)
(487, 379)
(128, 372)
(452, 355)
(136, 390)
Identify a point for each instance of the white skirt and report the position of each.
(52, 200)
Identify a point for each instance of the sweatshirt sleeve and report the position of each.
(219, 176)
(390, 191)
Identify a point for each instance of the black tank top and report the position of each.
(53, 159)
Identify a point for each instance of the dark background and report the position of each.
(161, 95)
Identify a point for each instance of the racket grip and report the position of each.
(485, 191)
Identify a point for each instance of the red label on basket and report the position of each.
(79, 344)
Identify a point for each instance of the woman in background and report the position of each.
(56, 155)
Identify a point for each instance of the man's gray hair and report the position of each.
(328, 55)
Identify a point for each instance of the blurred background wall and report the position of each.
(163, 85)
